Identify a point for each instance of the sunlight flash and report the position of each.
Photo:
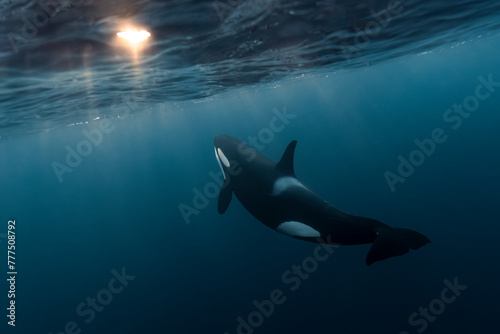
(134, 36)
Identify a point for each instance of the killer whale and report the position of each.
(272, 193)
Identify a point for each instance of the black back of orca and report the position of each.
(272, 194)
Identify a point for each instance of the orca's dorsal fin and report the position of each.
(285, 164)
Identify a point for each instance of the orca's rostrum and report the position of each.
(272, 194)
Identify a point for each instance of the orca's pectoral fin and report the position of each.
(286, 162)
(225, 196)
(394, 242)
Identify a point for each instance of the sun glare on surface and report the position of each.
(133, 36)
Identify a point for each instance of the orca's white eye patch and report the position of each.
(218, 161)
(223, 158)
(297, 229)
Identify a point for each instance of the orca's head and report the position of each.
(230, 153)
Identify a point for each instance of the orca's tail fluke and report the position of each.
(392, 242)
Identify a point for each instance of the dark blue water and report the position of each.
(102, 150)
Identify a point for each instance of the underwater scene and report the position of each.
(249, 166)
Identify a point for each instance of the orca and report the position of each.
(272, 193)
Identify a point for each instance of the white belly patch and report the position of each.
(297, 229)
(283, 183)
